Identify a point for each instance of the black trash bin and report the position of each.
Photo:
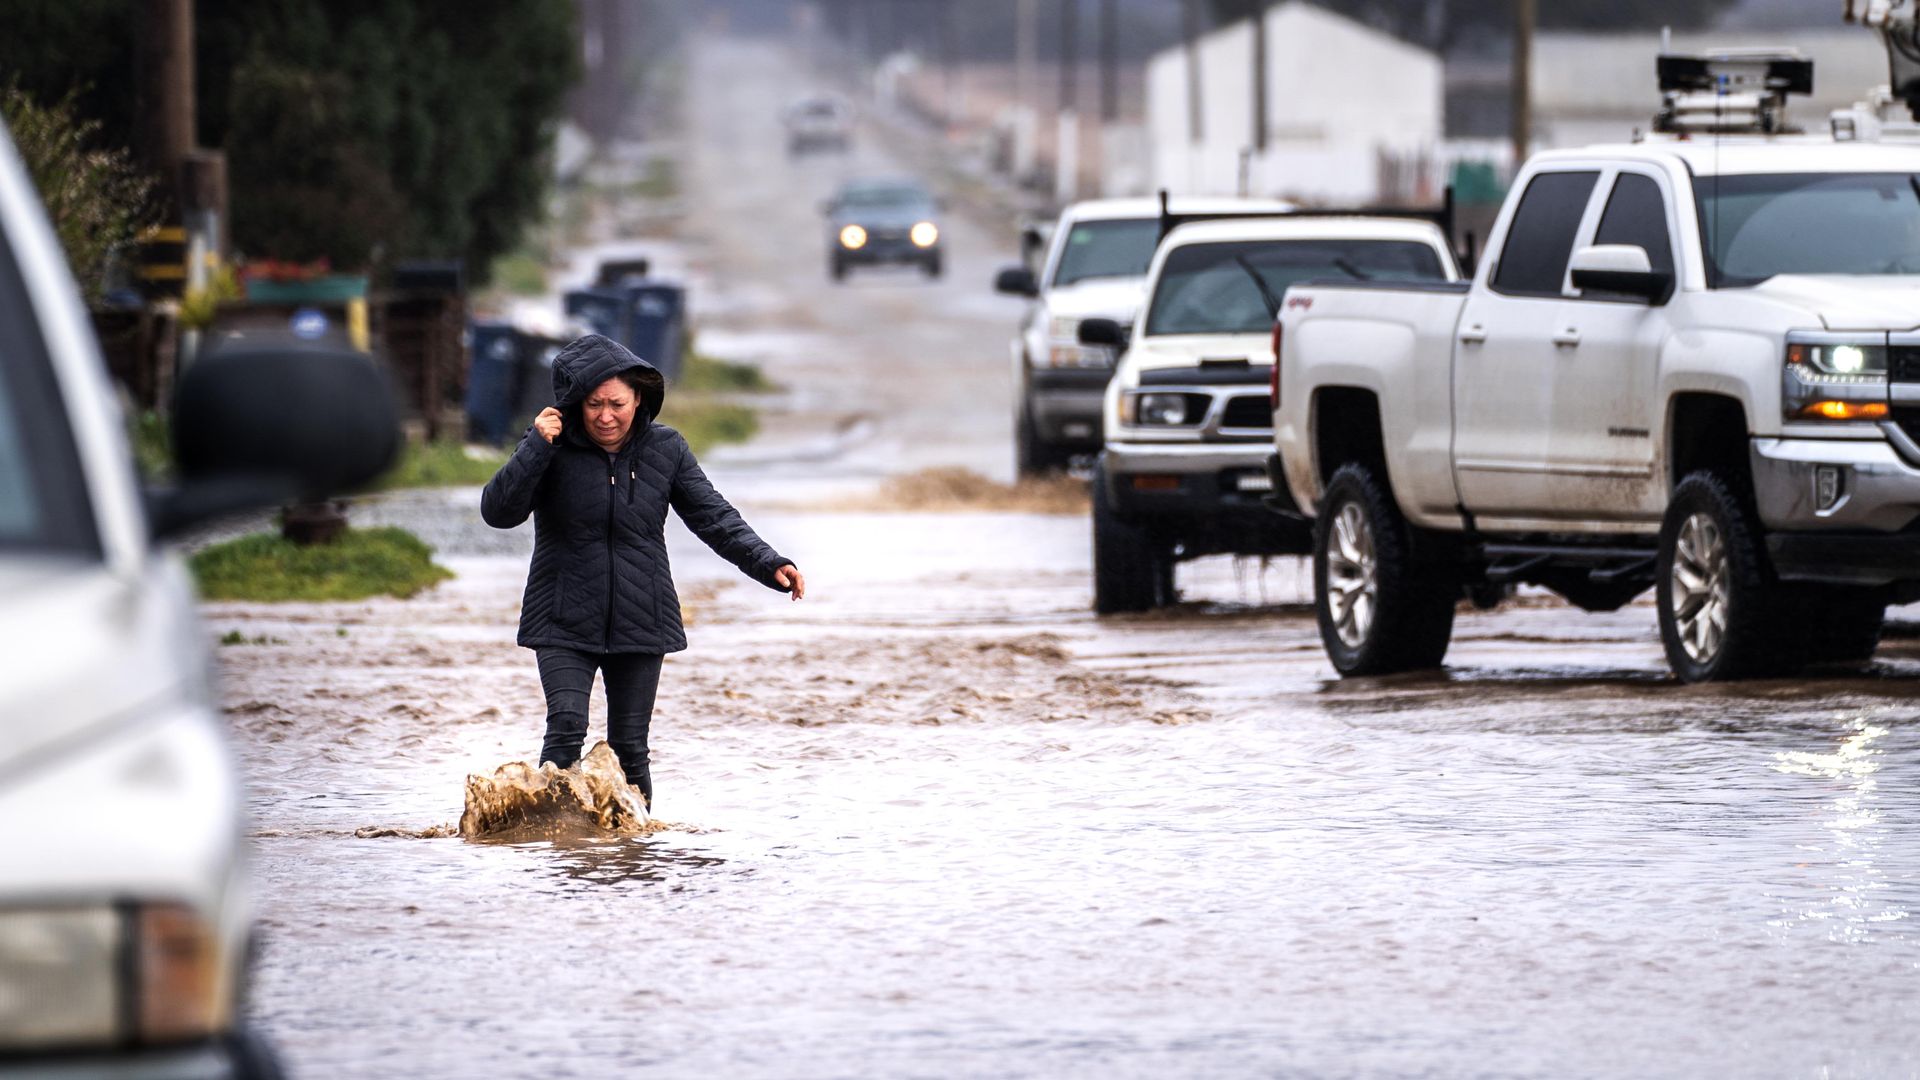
(493, 380)
(656, 317)
(604, 309)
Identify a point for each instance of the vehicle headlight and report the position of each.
(103, 975)
(1838, 361)
(853, 237)
(924, 234)
(1829, 377)
(1064, 349)
(1159, 409)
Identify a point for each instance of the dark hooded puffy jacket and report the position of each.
(599, 581)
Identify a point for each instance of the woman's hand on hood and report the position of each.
(548, 423)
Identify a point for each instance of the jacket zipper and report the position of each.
(613, 485)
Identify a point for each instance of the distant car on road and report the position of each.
(875, 222)
(1095, 267)
(820, 122)
(125, 924)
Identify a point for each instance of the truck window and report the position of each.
(1808, 223)
(1540, 240)
(1115, 248)
(43, 496)
(1637, 214)
(1210, 288)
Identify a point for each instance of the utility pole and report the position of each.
(1069, 53)
(1067, 145)
(164, 134)
(1109, 61)
(1190, 11)
(1259, 110)
(1522, 79)
(1026, 63)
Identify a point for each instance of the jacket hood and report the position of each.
(588, 361)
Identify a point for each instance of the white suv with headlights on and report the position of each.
(1095, 267)
(124, 919)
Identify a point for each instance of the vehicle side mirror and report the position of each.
(1016, 281)
(1098, 331)
(1620, 268)
(263, 424)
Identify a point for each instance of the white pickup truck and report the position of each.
(1686, 364)
(1188, 428)
(1095, 267)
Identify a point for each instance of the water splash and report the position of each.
(521, 801)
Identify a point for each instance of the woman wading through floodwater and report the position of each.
(597, 474)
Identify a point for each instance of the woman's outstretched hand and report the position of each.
(548, 423)
(789, 578)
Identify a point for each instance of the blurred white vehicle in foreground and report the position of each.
(124, 919)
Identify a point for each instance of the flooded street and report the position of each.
(937, 820)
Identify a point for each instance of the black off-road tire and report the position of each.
(1411, 622)
(934, 266)
(837, 268)
(1756, 621)
(1132, 568)
(1838, 624)
(1031, 455)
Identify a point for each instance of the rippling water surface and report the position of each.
(1044, 846)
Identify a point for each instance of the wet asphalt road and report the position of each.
(937, 820)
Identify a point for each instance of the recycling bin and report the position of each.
(656, 320)
(494, 380)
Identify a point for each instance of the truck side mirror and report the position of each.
(1016, 281)
(263, 424)
(1623, 269)
(1098, 331)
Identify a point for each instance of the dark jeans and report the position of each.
(631, 678)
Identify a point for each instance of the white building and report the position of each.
(1351, 114)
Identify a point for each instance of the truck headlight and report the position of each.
(853, 237)
(924, 234)
(1159, 409)
(1833, 377)
(1838, 361)
(102, 975)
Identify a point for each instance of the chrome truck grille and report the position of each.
(1903, 373)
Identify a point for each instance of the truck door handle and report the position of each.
(1568, 338)
(1473, 335)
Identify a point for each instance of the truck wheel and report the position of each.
(1838, 624)
(1379, 610)
(1722, 616)
(934, 267)
(1132, 569)
(838, 268)
(1031, 457)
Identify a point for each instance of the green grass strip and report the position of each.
(360, 563)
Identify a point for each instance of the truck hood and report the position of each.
(1115, 298)
(1188, 350)
(1849, 301)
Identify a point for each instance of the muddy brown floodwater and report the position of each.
(938, 821)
